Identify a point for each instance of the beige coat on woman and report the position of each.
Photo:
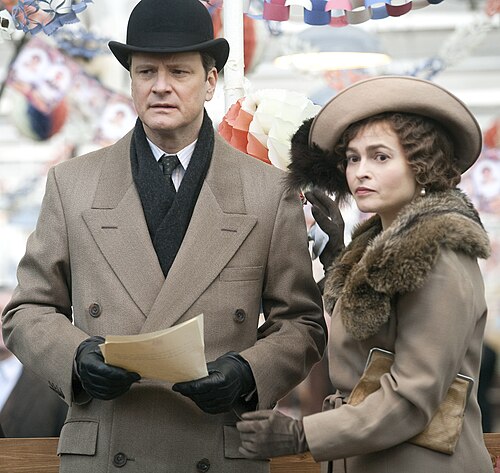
(414, 289)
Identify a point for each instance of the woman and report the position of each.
(407, 283)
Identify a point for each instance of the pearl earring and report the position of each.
(422, 192)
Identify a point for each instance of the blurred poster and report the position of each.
(45, 76)
(482, 185)
(117, 117)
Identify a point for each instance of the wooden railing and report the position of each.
(39, 455)
(29, 455)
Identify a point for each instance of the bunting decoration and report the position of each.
(335, 13)
(33, 16)
(78, 42)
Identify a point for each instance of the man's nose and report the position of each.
(162, 83)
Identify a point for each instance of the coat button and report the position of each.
(95, 309)
(239, 315)
(203, 465)
(120, 459)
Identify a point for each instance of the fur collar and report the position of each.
(377, 265)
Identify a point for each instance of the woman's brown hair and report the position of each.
(427, 146)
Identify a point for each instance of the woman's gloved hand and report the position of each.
(327, 215)
(266, 434)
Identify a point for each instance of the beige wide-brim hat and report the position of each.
(398, 94)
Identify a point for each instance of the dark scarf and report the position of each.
(167, 216)
(378, 265)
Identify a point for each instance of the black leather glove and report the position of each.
(327, 214)
(229, 379)
(266, 434)
(100, 380)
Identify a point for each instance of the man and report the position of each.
(28, 408)
(124, 248)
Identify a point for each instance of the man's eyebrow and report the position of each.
(178, 64)
(143, 64)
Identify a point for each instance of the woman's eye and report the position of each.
(381, 157)
(351, 159)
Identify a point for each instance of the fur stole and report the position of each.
(377, 265)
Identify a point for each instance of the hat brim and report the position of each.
(399, 94)
(218, 48)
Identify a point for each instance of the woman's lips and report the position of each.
(364, 191)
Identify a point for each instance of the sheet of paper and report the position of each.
(175, 354)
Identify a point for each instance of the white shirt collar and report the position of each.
(184, 154)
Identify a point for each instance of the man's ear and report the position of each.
(212, 77)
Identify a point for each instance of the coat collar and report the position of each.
(116, 175)
(223, 169)
(377, 265)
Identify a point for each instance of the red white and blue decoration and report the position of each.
(33, 16)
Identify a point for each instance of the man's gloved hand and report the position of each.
(266, 434)
(98, 379)
(327, 214)
(229, 379)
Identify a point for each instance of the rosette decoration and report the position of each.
(263, 123)
(33, 16)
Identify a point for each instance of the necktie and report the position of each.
(168, 164)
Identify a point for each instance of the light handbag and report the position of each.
(443, 431)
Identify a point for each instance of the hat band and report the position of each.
(166, 40)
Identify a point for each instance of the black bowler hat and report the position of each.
(170, 26)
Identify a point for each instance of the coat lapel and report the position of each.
(218, 227)
(116, 221)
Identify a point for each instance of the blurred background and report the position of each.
(63, 94)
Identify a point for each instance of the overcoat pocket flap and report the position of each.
(78, 437)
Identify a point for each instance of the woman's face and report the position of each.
(378, 174)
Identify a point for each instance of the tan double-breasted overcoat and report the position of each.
(91, 261)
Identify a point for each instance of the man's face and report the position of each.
(169, 93)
